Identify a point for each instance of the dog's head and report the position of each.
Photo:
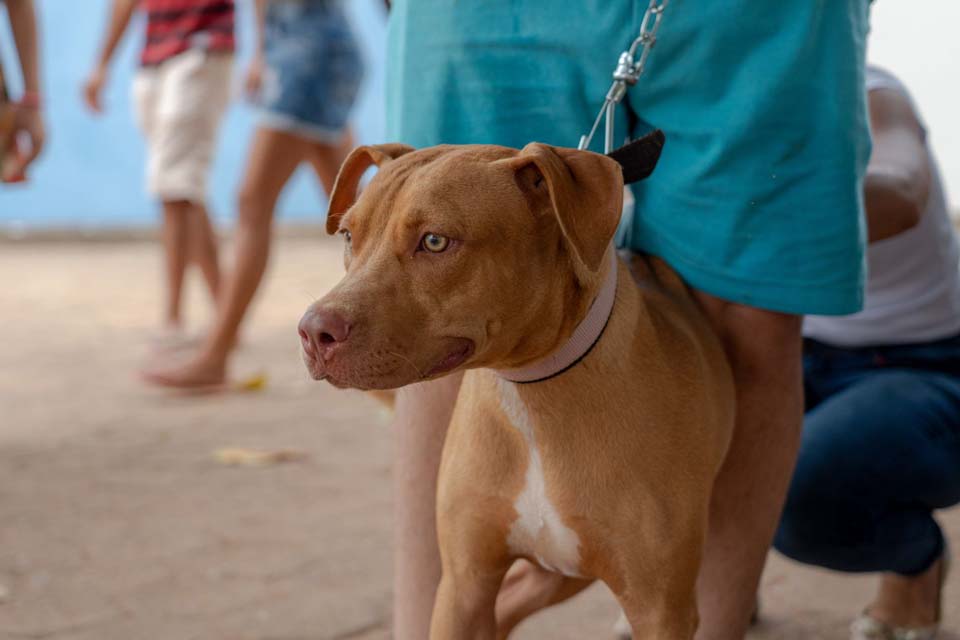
(459, 257)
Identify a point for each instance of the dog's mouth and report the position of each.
(391, 372)
(348, 380)
(461, 352)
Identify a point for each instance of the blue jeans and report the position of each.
(880, 453)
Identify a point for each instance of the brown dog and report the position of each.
(596, 410)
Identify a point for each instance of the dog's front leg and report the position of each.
(474, 558)
(657, 577)
(659, 619)
(464, 608)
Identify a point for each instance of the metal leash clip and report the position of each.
(628, 71)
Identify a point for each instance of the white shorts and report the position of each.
(179, 104)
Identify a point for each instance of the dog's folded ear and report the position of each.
(344, 192)
(586, 194)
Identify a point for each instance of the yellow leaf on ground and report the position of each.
(253, 383)
(242, 457)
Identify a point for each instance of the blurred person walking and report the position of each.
(305, 75)
(180, 94)
(22, 119)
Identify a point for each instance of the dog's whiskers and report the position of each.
(408, 361)
(311, 296)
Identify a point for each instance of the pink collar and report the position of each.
(580, 343)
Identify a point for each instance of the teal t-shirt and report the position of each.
(757, 198)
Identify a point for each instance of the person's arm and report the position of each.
(23, 23)
(260, 16)
(29, 119)
(897, 183)
(120, 14)
(254, 79)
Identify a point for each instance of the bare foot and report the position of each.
(172, 337)
(909, 601)
(197, 373)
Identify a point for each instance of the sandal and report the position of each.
(866, 627)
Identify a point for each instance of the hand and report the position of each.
(28, 126)
(253, 81)
(93, 88)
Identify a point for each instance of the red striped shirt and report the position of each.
(174, 26)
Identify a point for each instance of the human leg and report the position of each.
(326, 158)
(527, 588)
(179, 106)
(764, 348)
(741, 240)
(876, 459)
(912, 601)
(175, 236)
(315, 61)
(273, 157)
(203, 248)
(422, 415)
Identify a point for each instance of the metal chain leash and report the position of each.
(628, 71)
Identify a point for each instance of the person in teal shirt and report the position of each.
(756, 202)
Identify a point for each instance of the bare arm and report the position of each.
(23, 23)
(28, 123)
(260, 13)
(120, 15)
(254, 78)
(897, 184)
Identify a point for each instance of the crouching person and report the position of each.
(881, 442)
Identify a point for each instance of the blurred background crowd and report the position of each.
(110, 149)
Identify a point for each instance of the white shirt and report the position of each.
(913, 284)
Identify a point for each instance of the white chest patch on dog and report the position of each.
(538, 532)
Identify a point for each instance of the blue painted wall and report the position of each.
(91, 173)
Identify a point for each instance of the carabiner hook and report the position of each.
(627, 72)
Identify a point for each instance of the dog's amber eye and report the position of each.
(434, 243)
(347, 237)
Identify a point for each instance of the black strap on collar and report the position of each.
(639, 158)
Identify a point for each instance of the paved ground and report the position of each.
(116, 523)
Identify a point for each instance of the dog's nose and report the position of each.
(321, 330)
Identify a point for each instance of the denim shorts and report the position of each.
(314, 69)
(756, 198)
